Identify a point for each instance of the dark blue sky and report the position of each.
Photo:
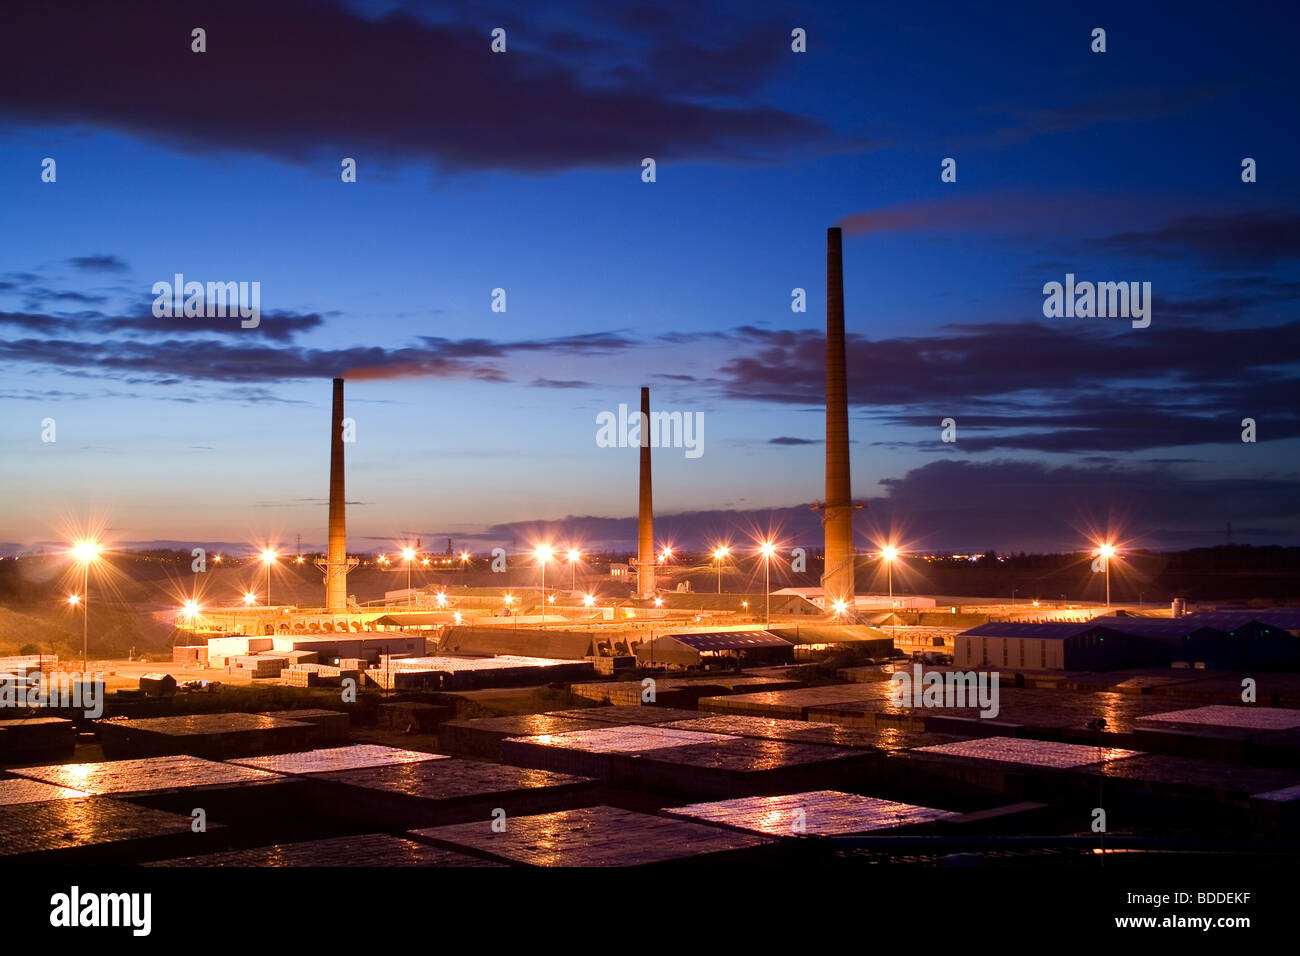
(522, 171)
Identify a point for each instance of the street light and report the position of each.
(85, 553)
(268, 558)
(719, 554)
(543, 555)
(840, 607)
(409, 555)
(574, 557)
(665, 555)
(1106, 552)
(890, 554)
(767, 549)
(249, 598)
(588, 599)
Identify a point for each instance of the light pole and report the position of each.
(409, 555)
(889, 553)
(1106, 551)
(768, 549)
(543, 555)
(718, 555)
(85, 553)
(268, 558)
(574, 557)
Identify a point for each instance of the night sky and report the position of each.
(522, 171)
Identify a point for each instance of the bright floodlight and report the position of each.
(510, 599)
(721, 552)
(408, 554)
(191, 608)
(1106, 550)
(840, 607)
(659, 602)
(889, 552)
(668, 552)
(457, 617)
(85, 551)
(543, 552)
(268, 555)
(442, 599)
(74, 599)
(588, 600)
(574, 556)
(767, 549)
(250, 598)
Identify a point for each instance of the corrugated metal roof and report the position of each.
(728, 640)
(1140, 626)
(1034, 630)
(1285, 618)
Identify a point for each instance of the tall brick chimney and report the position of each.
(645, 550)
(838, 577)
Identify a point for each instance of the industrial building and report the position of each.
(1121, 641)
(1219, 640)
(1049, 646)
(697, 651)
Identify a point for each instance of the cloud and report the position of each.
(1005, 505)
(394, 87)
(1222, 240)
(558, 383)
(1077, 386)
(276, 326)
(788, 440)
(1113, 106)
(99, 263)
(248, 359)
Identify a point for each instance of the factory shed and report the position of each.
(530, 642)
(1053, 646)
(1215, 640)
(704, 649)
(413, 619)
(825, 637)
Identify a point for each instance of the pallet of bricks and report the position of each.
(28, 664)
(190, 654)
(255, 666)
(310, 675)
(351, 668)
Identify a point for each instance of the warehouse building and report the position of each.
(1051, 646)
(715, 649)
(1218, 640)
